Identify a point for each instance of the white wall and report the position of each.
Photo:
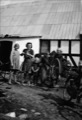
(65, 46)
(77, 59)
(53, 45)
(22, 43)
(75, 47)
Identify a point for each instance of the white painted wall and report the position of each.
(22, 43)
(69, 60)
(65, 46)
(77, 59)
(53, 45)
(75, 47)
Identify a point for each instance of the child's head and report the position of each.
(59, 51)
(16, 46)
(29, 45)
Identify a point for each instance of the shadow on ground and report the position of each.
(68, 110)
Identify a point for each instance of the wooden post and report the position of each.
(59, 43)
(80, 62)
(80, 47)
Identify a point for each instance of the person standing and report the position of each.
(28, 57)
(15, 61)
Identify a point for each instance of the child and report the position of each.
(14, 58)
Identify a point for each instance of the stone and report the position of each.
(32, 110)
(23, 109)
(23, 116)
(37, 113)
(57, 86)
(11, 114)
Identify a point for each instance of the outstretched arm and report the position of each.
(30, 55)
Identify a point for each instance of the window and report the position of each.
(45, 46)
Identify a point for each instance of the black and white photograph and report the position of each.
(40, 59)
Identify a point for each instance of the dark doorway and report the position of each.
(45, 46)
(5, 50)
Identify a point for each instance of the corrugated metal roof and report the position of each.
(51, 19)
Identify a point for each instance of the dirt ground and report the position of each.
(37, 103)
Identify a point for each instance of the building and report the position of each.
(55, 23)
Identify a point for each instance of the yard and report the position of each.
(36, 103)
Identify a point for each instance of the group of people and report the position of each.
(27, 53)
(29, 57)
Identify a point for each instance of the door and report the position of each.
(5, 50)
